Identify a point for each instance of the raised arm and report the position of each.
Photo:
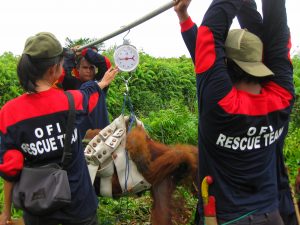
(214, 82)
(100, 61)
(188, 27)
(68, 80)
(277, 42)
(249, 18)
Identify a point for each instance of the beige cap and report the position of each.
(246, 50)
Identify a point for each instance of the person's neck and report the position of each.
(252, 88)
(43, 85)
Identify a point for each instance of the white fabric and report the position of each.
(93, 171)
(106, 151)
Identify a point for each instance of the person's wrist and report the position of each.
(102, 84)
(183, 16)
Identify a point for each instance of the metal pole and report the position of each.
(131, 25)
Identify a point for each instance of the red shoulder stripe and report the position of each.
(84, 51)
(93, 101)
(35, 105)
(13, 161)
(272, 98)
(107, 62)
(205, 55)
(186, 25)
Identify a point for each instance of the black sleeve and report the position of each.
(249, 18)
(71, 82)
(190, 44)
(277, 43)
(213, 80)
(69, 61)
(100, 61)
(189, 32)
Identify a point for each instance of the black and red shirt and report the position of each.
(32, 127)
(99, 118)
(239, 132)
(70, 79)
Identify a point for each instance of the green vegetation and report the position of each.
(9, 84)
(163, 94)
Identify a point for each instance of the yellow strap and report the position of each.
(204, 191)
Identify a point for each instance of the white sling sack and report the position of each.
(108, 150)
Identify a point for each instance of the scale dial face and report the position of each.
(126, 57)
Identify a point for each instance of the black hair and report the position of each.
(78, 60)
(237, 74)
(31, 70)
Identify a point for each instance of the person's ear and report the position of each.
(51, 69)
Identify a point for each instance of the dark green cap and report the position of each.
(246, 50)
(43, 45)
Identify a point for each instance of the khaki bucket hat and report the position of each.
(246, 50)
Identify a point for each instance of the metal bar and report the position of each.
(131, 25)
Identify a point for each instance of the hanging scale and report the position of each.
(126, 56)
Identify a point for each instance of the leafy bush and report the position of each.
(163, 93)
(174, 125)
(153, 85)
(292, 151)
(296, 65)
(9, 84)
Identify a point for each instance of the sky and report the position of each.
(158, 37)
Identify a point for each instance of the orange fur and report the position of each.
(164, 167)
(136, 145)
(168, 166)
(91, 133)
(179, 162)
